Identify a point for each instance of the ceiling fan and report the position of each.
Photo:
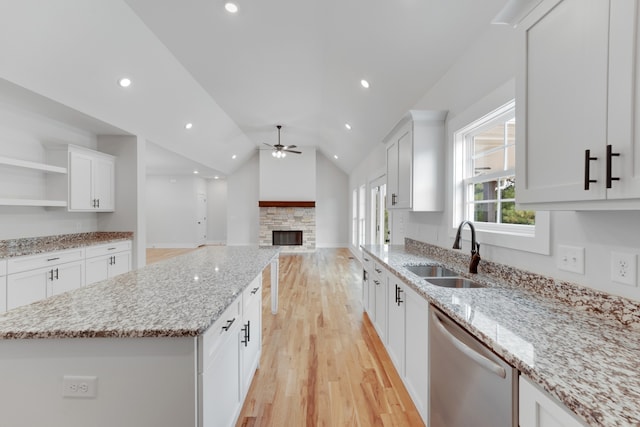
(280, 151)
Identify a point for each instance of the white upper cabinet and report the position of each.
(415, 162)
(576, 106)
(91, 181)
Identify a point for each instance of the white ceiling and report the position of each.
(292, 62)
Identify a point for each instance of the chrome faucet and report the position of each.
(475, 246)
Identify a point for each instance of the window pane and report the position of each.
(508, 188)
(485, 212)
(486, 190)
(488, 140)
(491, 162)
(511, 131)
(510, 215)
(511, 157)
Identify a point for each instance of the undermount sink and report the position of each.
(455, 282)
(430, 271)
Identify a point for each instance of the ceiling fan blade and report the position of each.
(290, 146)
(268, 144)
(293, 151)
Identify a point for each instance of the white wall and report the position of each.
(487, 66)
(217, 211)
(130, 180)
(171, 210)
(291, 178)
(332, 205)
(242, 204)
(24, 135)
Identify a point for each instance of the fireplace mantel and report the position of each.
(286, 204)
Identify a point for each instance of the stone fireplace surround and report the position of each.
(289, 215)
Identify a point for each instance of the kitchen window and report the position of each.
(485, 183)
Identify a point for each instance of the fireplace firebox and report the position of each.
(287, 237)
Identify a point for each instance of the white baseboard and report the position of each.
(171, 245)
(332, 245)
(216, 243)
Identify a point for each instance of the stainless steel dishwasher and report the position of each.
(469, 385)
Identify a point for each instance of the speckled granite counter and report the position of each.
(588, 358)
(182, 296)
(37, 245)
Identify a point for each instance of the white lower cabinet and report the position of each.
(106, 261)
(3, 286)
(228, 356)
(396, 322)
(538, 409)
(416, 368)
(380, 306)
(250, 334)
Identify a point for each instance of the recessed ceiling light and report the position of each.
(124, 82)
(348, 126)
(196, 172)
(234, 157)
(188, 126)
(216, 177)
(364, 83)
(231, 7)
(335, 156)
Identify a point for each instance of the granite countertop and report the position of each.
(36, 245)
(178, 297)
(590, 363)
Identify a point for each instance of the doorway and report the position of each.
(380, 232)
(201, 219)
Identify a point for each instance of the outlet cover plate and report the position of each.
(570, 258)
(76, 386)
(624, 268)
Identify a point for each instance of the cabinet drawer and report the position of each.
(378, 269)
(367, 262)
(109, 248)
(253, 292)
(3, 267)
(31, 262)
(220, 332)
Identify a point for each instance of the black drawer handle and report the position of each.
(52, 259)
(587, 163)
(254, 290)
(228, 325)
(376, 282)
(111, 249)
(611, 154)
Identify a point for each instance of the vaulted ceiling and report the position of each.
(297, 63)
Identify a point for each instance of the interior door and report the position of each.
(201, 219)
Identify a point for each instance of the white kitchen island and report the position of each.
(166, 345)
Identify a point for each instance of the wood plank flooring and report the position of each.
(159, 254)
(322, 362)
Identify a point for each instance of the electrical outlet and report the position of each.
(624, 268)
(74, 386)
(570, 258)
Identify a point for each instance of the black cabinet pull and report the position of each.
(57, 277)
(587, 167)
(611, 154)
(52, 259)
(111, 249)
(393, 199)
(378, 271)
(248, 330)
(228, 325)
(366, 259)
(51, 274)
(400, 301)
(254, 290)
(376, 282)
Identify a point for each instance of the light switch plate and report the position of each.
(570, 258)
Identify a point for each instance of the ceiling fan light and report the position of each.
(283, 154)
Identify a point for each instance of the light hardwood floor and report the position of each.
(322, 362)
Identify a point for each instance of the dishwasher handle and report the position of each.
(468, 351)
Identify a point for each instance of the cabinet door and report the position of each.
(120, 264)
(371, 304)
(562, 101)
(80, 182)
(538, 409)
(27, 287)
(250, 343)
(103, 183)
(624, 99)
(3, 294)
(97, 269)
(416, 368)
(365, 290)
(66, 277)
(395, 323)
(220, 385)
(380, 323)
(405, 162)
(392, 174)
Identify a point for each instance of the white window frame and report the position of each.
(514, 236)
